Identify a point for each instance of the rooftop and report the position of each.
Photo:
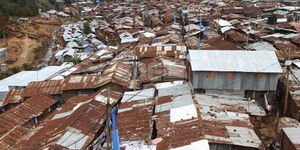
(234, 61)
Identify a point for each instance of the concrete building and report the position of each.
(234, 70)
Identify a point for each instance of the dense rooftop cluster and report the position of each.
(182, 75)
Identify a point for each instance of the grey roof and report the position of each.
(138, 95)
(175, 90)
(234, 61)
(2, 49)
(293, 134)
(23, 78)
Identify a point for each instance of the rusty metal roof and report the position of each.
(12, 137)
(75, 82)
(51, 87)
(162, 69)
(219, 120)
(14, 96)
(11, 119)
(134, 120)
(80, 125)
(117, 73)
(226, 120)
(154, 51)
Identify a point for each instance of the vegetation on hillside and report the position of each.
(24, 7)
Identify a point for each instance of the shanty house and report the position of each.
(234, 70)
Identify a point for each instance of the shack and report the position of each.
(234, 70)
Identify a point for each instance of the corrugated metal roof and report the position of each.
(50, 87)
(81, 125)
(138, 95)
(162, 69)
(135, 120)
(293, 134)
(25, 77)
(234, 61)
(14, 96)
(21, 114)
(227, 121)
(175, 90)
(154, 51)
(75, 82)
(117, 73)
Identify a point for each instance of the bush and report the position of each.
(111, 43)
(26, 66)
(5, 74)
(75, 59)
(24, 7)
(15, 69)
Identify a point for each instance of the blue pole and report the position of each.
(174, 19)
(115, 134)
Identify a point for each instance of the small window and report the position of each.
(259, 75)
(229, 75)
(212, 75)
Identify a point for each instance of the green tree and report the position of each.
(86, 27)
(75, 59)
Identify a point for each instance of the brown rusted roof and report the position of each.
(134, 120)
(87, 119)
(14, 96)
(219, 43)
(236, 36)
(117, 73)
(51, 87)
(12, 137)
(11, 119)
(179, 133)
(162, 69)
(154, 51)
(75, 82)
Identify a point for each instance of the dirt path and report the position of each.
(22, 50)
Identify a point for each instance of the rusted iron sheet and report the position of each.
(155, 51)
(11, 119)
(162, 69)
(76, 82)
(134, 120)
(14, 96)
(117, 73)
(51, 87)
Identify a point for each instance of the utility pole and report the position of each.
(286, 96)
(108, 120)
(248, 31)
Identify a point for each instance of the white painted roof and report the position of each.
(234, 61)
(222, 22)
(198, 145)
(226, 28)
(25, 77)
